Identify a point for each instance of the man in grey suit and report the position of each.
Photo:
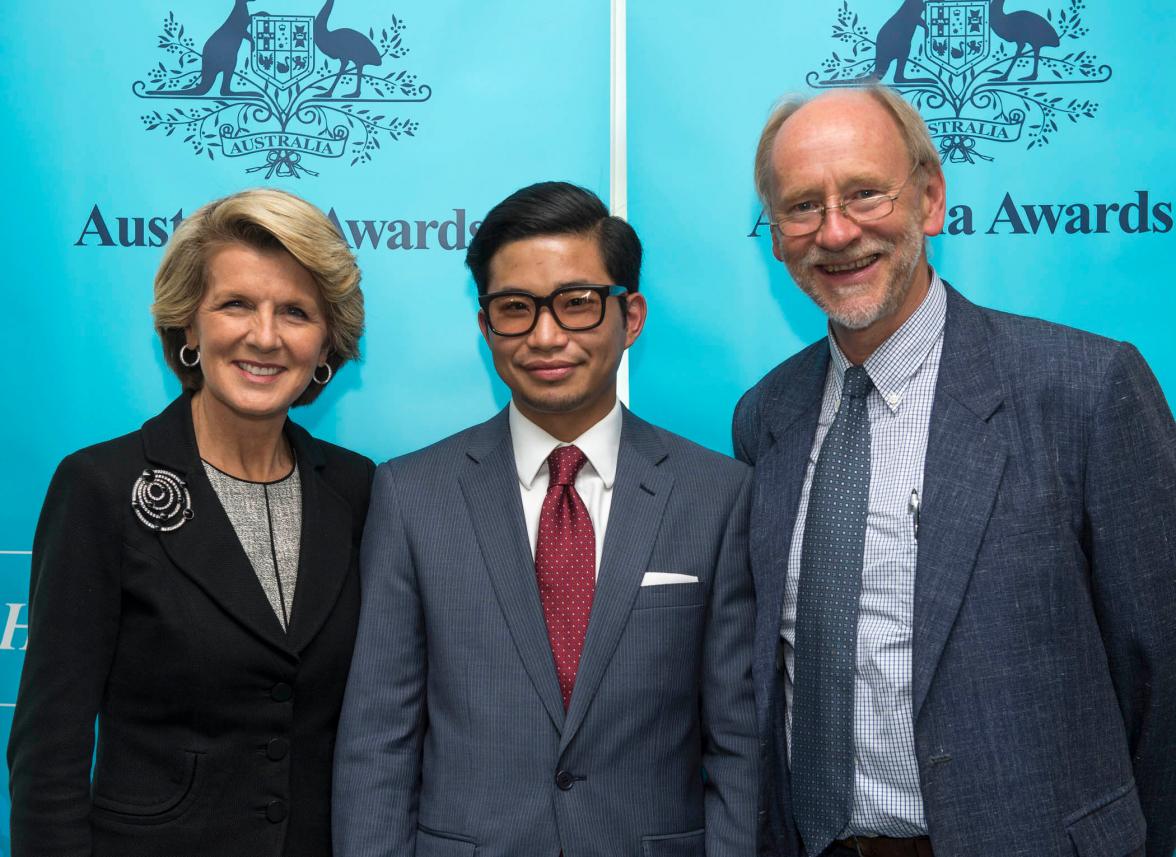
(963, 538)
(554, 650)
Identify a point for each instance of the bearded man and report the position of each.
(962, 537)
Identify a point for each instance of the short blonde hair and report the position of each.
(911, 126)
(264, 219)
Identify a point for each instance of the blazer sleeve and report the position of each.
(378, 749)
(1130, 495)
(745, 426)
(730, 746)
(73, 625)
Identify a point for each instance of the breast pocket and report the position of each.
(670, 595)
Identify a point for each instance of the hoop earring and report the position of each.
(314, 376)
(184, 362)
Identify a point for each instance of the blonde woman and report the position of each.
(194, 584)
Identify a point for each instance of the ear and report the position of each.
(777, 242)
(635, 312)
(934, 201)
(482, 326)
(190, 338)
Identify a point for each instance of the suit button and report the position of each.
(281, 692)
(276, 811)
(564, 780)
(277, 749)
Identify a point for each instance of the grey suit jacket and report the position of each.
(1044, 661)
(453, 738)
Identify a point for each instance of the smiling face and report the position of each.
(868, 278)
(261, 330)
(563, 381)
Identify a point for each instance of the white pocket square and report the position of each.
(657, 578)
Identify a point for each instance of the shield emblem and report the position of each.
(283, 48)
(957, 33)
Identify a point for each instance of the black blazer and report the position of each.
(215, 727)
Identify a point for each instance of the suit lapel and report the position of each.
(490, 485)
(324, 555)
(639, 498)
(206, 548)
(963, 469)
(790, 412)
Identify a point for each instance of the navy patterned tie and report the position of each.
(827, 620)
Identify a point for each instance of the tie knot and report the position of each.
(564, 463)
(857, 383)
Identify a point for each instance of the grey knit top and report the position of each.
(267, 517)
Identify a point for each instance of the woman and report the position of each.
(194, 583)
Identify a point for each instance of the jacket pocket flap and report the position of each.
(432, 843)
(692, 844)
(1114, 828)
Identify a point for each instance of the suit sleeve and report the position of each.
(1131, 530)
(744, 427)
(73, 626)
(376, 785)
(730, 746)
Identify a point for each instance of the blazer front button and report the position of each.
(276, 811)
(281, 692)
(564, 780)
(277, 749)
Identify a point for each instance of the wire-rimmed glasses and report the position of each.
(864, 206)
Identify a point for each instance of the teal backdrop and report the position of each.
(1061, 192)
(492, 97)
(723, 311)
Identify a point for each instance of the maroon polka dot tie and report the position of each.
(565, 565)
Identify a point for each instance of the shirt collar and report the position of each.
(895, 361)
(532, 445)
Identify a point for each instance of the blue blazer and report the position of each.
(453, 739)
(1044, 651)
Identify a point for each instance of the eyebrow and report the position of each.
(855, 180)
(564, 285)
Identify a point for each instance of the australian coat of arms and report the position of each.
(304, 90)
(980, 74)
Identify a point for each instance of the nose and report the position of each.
(547, 335)
(263, 333)
(837, 231)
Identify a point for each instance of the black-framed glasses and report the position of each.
(865, 206)
(577, 307)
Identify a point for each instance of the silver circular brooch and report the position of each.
(161, 501)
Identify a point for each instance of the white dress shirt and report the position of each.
(594, 483)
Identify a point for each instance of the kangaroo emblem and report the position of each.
(219, 56)
(894, 42)
(346, 45)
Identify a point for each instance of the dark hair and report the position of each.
(556, 208)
